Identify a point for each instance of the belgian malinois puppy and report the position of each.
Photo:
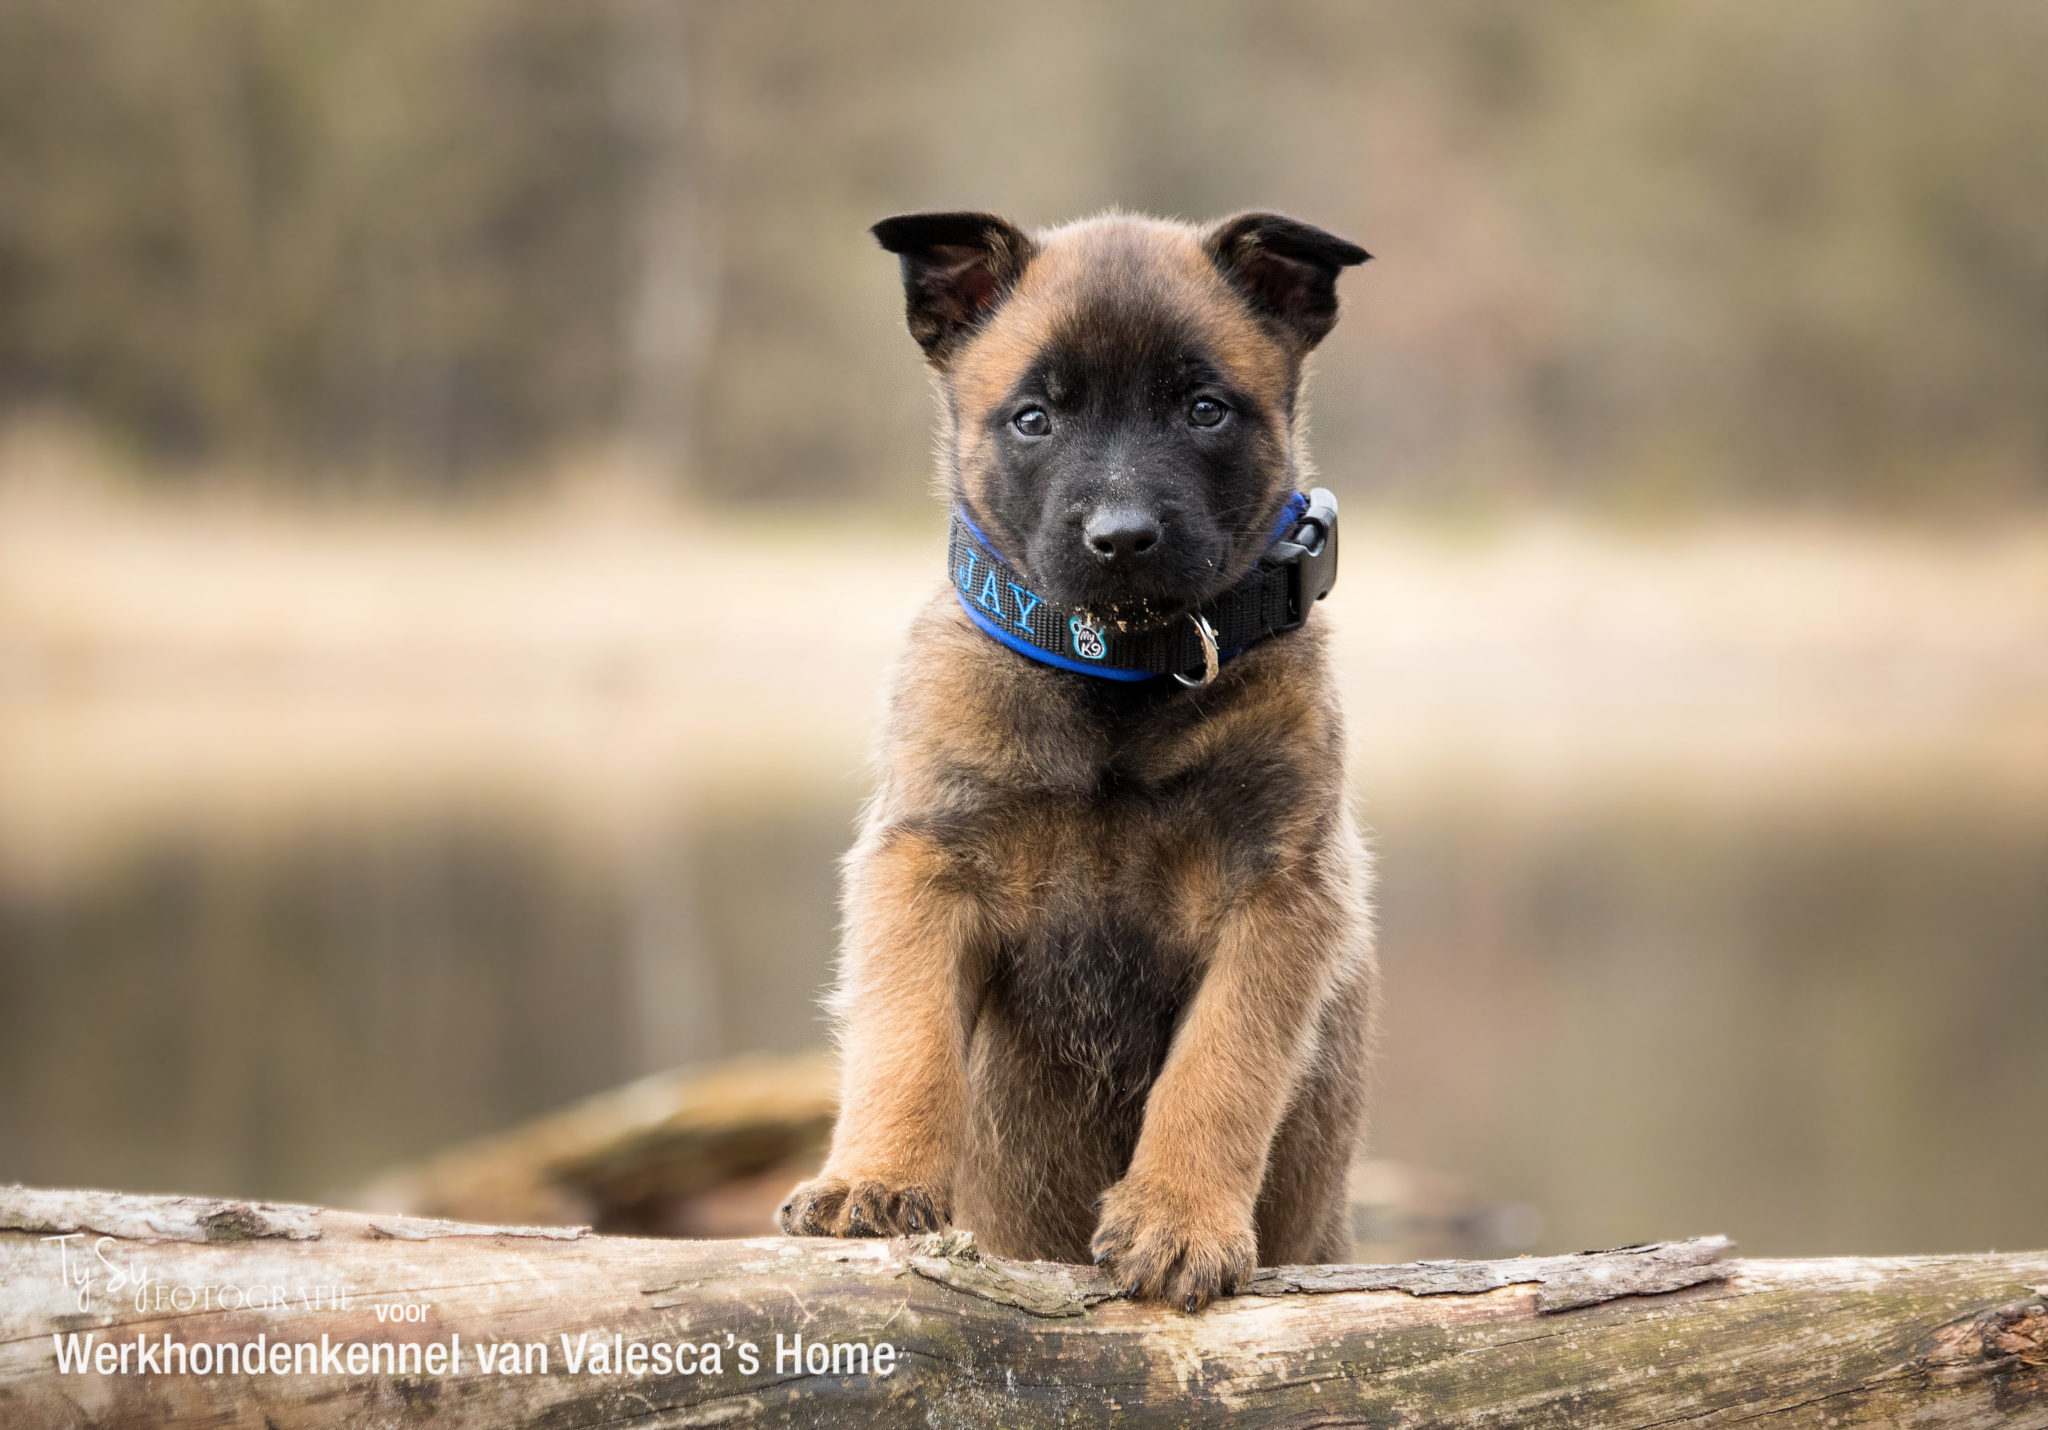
(1108, 963)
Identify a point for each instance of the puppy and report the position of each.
(1107, 967)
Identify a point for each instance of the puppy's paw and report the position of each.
(863, 1206)
(813, 1208)
(1160, 1243)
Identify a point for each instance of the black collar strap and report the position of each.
(1298, 569)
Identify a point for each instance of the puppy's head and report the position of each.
(1120, 393)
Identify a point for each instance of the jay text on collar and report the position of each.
(1298, 569)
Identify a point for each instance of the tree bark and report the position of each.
(1657, 1335)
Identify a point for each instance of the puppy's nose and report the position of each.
(1121, 534)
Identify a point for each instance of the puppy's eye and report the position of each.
(1207, 412)
(1032, 422)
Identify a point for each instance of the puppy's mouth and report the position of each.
(1166, 585)
(1134, 603)
(1142, 614)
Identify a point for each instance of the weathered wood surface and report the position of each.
(1650, 1336)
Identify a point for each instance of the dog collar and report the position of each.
(1298, 569)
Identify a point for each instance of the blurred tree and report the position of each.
(1630, 254)
(383, 237)
(672, 290)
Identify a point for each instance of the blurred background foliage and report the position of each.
(1641, 256)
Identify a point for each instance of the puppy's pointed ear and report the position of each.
(1286, 269)
(957, 269)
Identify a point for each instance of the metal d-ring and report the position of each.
(1210, 662)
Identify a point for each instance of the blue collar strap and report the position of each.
(1298, 569)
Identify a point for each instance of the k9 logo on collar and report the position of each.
(1089, 642)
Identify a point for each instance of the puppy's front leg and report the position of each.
(902, 1002)
(1178, 1227)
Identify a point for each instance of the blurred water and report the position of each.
(1819, 1030)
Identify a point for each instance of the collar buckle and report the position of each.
(1310, 555)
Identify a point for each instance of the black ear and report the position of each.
(956, 269)
(1285, 268)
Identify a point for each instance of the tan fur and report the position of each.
(1237, 861)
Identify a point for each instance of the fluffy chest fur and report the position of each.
(1022, 772)
(1100, 830)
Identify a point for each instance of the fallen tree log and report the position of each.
(702, 1151)
(131, 1311)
